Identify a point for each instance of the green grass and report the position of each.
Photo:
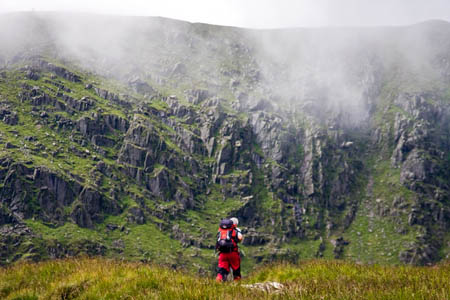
(374, 234)
(144, 241)
(307, 249)
(52, 140)
(87, 278)
(69, 232)
(376, 240)
(147, 241)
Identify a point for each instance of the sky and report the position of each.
(256, 13)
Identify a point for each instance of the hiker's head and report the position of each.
(235, 221)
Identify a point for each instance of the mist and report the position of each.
(329, 73)
(343, 70)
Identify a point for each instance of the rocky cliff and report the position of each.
(133, 142)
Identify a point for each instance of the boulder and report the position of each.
(136, 215)
(140, 86)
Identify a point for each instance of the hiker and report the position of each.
(228, 237)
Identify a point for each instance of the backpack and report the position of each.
(226, 237)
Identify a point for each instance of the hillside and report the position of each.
(108, 279)
(131, 137)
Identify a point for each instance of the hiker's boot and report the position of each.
(237, 274)
(222, 275)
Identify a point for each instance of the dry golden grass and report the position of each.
(99, 278)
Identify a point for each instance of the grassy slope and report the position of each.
(143, 241)
(318, 279)
(137, 244)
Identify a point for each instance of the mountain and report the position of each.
(131, 137)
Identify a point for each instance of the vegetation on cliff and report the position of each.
(332, 144)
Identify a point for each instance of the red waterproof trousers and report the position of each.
(227, 260)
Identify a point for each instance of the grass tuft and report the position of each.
(100, 278)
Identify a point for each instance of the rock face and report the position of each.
(48, 194)
(316, 155)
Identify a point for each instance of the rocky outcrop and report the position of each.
(419, 140)
(136, 215)
(59, 71)
(267, 128)
(140, 86)
(339, 245)
(54, 195)
(48, 195)
(196, 96)
(116, 122)
(8, 116)
(6, 217)
(106, 94)
(99, 124)
(297, 152)
(62, 102)
(83, 104)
